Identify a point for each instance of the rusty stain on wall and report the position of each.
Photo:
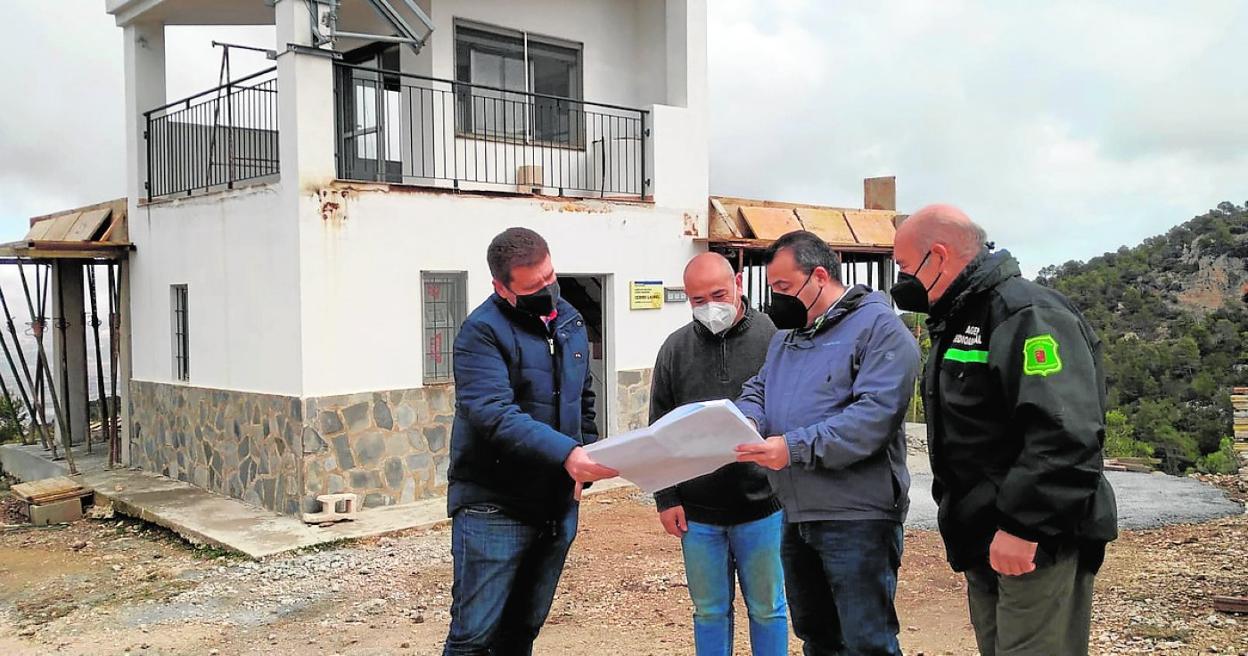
(581, 207)
(691, 225)
(333, 205)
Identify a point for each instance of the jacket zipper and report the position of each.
(723, 359)
(557, 375)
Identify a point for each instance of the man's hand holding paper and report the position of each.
(690, 441)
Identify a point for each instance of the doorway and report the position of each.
(370, 114)
(586, 293)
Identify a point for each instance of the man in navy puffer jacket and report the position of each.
(524, 408)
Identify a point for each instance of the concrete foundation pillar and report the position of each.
(69, 348)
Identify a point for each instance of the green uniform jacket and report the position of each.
(1015, 396)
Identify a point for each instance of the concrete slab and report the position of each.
(203, 517)
(32, 463)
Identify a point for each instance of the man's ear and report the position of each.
(503, 291)
(821, 276)
(941, 251)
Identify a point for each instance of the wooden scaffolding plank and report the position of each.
(830, 225)
(49, 489)
(770, 222)
(60, 227)
(722, 222)
(872, 226)
(88, 224)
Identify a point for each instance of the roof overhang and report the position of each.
(191, 12)
(752, 224)
(93, 232)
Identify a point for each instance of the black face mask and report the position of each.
(910, 294)
(787, 311)
(541, 302)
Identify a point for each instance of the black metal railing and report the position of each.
(400, 127)
(215, 138)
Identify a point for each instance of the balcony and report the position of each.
(214, 139)
(411, 129)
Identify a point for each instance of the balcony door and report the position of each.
(369, 113)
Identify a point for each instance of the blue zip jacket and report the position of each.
(523, 401)
(838, 393)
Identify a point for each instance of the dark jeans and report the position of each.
(1047, 611)
(841, 578)
(506, 572)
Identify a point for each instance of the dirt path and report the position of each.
(120, 587)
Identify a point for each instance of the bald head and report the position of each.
(709, 264)
(935, 244)
(709, 278)
(944, 224)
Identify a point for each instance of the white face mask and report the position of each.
(717, 317)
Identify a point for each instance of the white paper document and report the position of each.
(690, 441)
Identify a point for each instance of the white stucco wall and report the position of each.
(361, 275)
(236, 253)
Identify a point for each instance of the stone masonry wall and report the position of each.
(239, 444)
(281, 452)
(388, 447)
(632, 402)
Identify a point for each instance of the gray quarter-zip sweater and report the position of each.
(696, 365)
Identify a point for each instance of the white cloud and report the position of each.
(1068, 128)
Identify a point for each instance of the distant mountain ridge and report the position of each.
(1172, 315)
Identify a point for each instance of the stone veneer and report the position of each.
(632, 399)
(239, 444)
(281, 452)
(387, 447)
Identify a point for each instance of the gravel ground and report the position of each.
(123, 587)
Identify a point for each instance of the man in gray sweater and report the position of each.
(727, 520)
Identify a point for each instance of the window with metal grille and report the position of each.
(181, 337)
(444, 306)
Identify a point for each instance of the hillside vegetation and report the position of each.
(1175, 327)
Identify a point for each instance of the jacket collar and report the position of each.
(567, 314)
(983, 273)
(853, 298)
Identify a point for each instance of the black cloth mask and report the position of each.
(541, 302)
(788, 311)
(910, 294)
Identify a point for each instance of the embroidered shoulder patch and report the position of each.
(1040, 356)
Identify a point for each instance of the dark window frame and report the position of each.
(179, 305)
(570, 113)
(445, 326)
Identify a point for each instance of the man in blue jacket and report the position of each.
(832, 396)
(524, 408)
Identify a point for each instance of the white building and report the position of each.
(307, 239)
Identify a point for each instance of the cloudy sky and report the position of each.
(1066, 128)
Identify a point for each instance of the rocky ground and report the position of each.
(118, 586)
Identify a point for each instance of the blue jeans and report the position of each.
(841, 577)
(505, 572)
(752, 550)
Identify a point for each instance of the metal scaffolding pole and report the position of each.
(30, 408)
(43, 358)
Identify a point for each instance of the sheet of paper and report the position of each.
(690, 441)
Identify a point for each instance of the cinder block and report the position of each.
(59, 512)
(329, 508)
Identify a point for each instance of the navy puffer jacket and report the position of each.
(523, 402)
